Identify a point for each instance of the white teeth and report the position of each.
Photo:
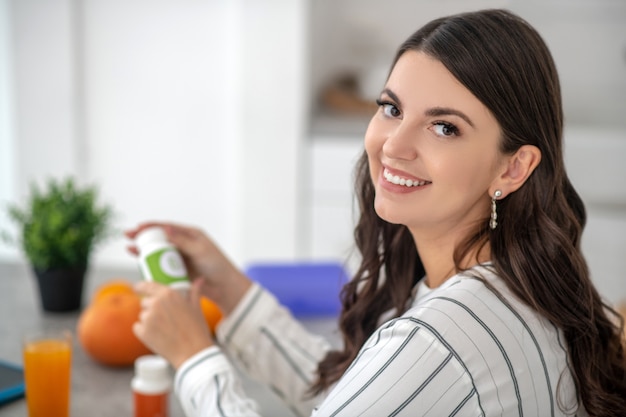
(395, 179)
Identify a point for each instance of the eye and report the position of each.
(389, 109)
(445, 129)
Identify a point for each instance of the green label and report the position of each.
(166, 266)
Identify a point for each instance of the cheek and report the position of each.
(462, 171)
(467, 172)
(373, 141)
(373, 144)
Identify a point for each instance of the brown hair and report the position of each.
(504, 62)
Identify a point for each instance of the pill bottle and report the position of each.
(151, 387)
(159, 260)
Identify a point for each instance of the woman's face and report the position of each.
(433, 150)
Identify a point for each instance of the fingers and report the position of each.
(151, 294)
(149, 288)
(180, 236)
(170, 324)
(186, 239)
(132, 250)
(158, 303)
(132, 233)
(138, 331)
(195, 293)
(203, 288)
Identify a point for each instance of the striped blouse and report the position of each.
(461, 349)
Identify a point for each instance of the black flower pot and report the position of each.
(61, 289)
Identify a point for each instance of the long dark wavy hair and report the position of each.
(535, 249)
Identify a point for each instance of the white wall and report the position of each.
(594, 158)
(39, 117)
(587, 39)
(347, 41)
(158, 102)
(273, 122)
(7, 152)
(187, 110)
(46, 92)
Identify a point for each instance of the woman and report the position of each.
(472, 297)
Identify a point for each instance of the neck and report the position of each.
(437, 256)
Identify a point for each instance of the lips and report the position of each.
(396, 179)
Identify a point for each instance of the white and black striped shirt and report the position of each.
(462, 349)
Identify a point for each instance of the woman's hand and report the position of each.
(171, 323)
(223, 282)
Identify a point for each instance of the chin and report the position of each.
(389, 215)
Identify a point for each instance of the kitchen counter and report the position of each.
(97, 391)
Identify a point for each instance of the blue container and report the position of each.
(307, 289)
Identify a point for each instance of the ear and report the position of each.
(517, 169)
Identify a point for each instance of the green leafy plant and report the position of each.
(60, 225)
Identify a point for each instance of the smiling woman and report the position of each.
(472, 296)
(446, 141)
(471, 112)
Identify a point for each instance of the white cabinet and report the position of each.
(594, 158)
(331, 208)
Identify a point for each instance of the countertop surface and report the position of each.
(96, 391)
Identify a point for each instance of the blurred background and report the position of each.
(245, 117)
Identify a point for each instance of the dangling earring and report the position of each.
(494, 216)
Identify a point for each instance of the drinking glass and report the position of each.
(47, 370)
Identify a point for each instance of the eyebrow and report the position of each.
(393, 96)
(447, 111)
(433, 111)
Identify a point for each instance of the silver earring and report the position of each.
(494, 216)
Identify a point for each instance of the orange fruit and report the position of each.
(105, 328)
(211, 312)
(113, 286)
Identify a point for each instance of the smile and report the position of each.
(397, 180)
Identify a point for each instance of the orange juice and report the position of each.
(150, 405)
(47, 367)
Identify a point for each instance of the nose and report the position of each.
(401, 143)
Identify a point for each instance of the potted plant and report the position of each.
(59, 227)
